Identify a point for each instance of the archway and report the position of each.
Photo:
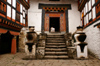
(5, 43)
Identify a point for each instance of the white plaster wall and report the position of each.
(93, 39)
(35, 14)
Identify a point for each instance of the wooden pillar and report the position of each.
(13, 46)
(43, 16)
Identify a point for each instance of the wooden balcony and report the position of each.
(10, 25)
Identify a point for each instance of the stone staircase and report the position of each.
(55, 47)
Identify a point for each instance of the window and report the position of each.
(18, 17)
(18, 12)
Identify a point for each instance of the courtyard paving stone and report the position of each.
(16, 60)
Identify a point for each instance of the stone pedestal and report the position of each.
(68, 38)
(71, 52)
(22, 38)
(81, 46)
(30, 44)
(41, 46)
(82, 51)
(30, 49)
(40, 52)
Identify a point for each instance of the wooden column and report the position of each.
(13, 46)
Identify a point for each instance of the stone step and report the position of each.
(56, 40)
(55, 43)
(55, 36)
(55, 33)
(56, 53)
(56, 57)
(55, 46)
(55, 49)
(48, 41)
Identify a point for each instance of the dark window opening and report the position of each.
(55, 23)
(17, 17)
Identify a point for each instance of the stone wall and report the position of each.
(35, 14)
(22, 38)
(93, 39)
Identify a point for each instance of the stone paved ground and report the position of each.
(16, 60)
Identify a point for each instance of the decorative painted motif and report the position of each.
(47, 22)
(62, 20)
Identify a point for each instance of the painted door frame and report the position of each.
(68, 6)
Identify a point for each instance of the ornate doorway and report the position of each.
(60, 17)
(55, 11)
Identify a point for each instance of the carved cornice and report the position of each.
(10, 25)
(82, 4)
(25, 4)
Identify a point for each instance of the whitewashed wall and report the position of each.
(93, 39)
(93, 36)
(35, 14)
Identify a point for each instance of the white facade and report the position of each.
(93, 39)
(35, 14)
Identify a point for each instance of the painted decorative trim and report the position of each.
(97, 24)
(98, 14)
(92, 23)
(68, 6)
(8, 24)
(2, 12)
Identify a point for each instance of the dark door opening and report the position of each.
(5, 43)
(55, 23)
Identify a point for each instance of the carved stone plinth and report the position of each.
(41, 46)
(68, 38)
(81, 46)
(30, 49)
(40, 52)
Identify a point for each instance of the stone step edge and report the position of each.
(56, 57)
